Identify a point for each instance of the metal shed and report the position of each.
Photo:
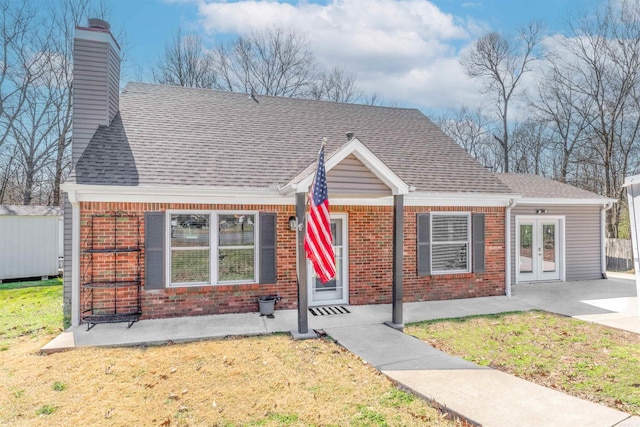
(30, 241)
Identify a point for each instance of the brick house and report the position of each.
(183, 201)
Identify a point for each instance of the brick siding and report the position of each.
(453, 286)
(370, 235)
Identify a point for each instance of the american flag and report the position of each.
(317, 241)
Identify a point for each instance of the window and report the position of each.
(204, 254)
(450, 242)
(190, 248)
(236, 248)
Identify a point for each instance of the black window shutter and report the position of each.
(424, 244)
(267, 248)
(478, 242)
(154, 259)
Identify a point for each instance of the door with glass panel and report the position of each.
(334, 291)
(538, 245)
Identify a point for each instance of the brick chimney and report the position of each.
(96, 82)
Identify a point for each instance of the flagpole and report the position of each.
(303, 304)
(301, 262)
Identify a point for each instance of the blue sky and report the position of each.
(405, 51)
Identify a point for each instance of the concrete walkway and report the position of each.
(482, 395)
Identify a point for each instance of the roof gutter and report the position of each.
(603, 249)
(507, 246)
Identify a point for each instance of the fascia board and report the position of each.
(558, 201)
(200, 195)
(460, 199)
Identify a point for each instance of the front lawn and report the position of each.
(584, 359)
(251, 381)
(30, 309)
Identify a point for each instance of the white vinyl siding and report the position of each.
(352, 178)
(29, 246)
(583, 234)
(450, 243)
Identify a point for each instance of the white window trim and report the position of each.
(213, 247)
(468, 242)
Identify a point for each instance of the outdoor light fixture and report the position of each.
(293, 223)
(541, 211)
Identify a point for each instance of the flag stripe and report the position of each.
(318, 241)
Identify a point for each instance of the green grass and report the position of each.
(30, 309)
(30, 284)
(59, 386)
(584, 359)
(46, 410)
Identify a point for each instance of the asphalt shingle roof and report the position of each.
(538, 187)
(166, 135)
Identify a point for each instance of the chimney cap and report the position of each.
(99, 23)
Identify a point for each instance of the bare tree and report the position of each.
(35, 92)
(9, 177)
(501, 65)
(185, 62)
(472, 130)
(268, 62)
(26, 59)
(603, 66)
(336, 85)
(568, 115)
(21, 57)
(272, 61)
(532, 153)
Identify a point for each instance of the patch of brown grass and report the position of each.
(266, 381)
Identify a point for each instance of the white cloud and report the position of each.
(406, 51)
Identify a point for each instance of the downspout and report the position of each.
(507, 247)
(75, 258)
(603, 249)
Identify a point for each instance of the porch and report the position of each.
(611, 302)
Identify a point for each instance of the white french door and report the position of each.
(539, 244)
(334, 291)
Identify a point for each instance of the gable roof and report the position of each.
(536, 187)
(170, 135)
(359, 153)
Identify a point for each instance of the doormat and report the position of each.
(329, 310)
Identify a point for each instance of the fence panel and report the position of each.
(619, 255)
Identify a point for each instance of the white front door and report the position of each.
(334, 291)
(539, 249)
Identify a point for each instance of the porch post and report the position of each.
(398, 248)
(301, 264)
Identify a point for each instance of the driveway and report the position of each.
(612, 302)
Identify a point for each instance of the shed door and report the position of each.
(539, 249)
